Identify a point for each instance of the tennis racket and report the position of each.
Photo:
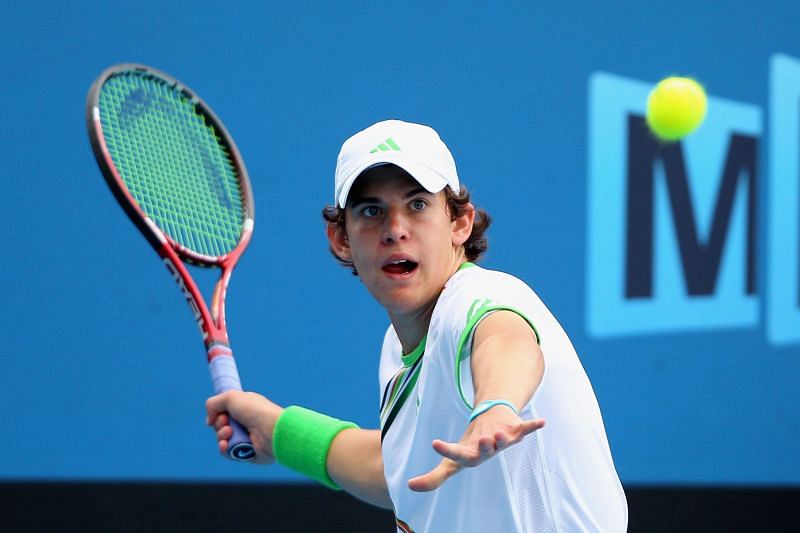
(177, 174)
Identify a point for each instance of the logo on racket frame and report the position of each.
(198, 315)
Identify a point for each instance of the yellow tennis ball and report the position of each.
(675, 108)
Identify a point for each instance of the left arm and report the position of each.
(506, 364)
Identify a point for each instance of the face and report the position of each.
(401, 239)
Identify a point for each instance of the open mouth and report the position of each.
(400, 266)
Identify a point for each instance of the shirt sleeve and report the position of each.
(471, 302)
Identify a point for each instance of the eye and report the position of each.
(370, 211)
(418, 204)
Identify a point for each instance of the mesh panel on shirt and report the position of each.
(528, 483)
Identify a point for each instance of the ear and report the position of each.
(340, 245)
(461, 227)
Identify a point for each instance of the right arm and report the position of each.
(355, 463)
(354, 460)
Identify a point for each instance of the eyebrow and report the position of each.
(375, 200)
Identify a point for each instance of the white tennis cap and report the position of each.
(415, 148)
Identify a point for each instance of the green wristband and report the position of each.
(301, 440)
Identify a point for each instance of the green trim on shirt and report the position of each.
(474, 316)
(416, 353)
(404, 382)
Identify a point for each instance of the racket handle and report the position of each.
(225, 377)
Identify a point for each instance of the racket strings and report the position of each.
(173, 162)
(184, 222)
(203, 234)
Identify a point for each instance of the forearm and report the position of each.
(506, 364)
(355, 463)
(506, 360)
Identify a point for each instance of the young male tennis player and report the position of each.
(471, 361)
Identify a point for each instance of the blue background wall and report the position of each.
(103, 368)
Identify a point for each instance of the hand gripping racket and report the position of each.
(177, 174)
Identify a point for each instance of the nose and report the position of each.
(395, 229)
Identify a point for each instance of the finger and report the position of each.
(219, 404)
(434, 479)
(455, 452)
(501, 439)
(517, 433)
(529, 426)
(224, 433)
(467, 455)
(221, 422)
(214, 406)
(486, 445)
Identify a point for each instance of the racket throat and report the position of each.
(205, 322)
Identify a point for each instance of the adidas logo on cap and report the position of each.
(387, 145)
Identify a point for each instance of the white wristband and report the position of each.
(488, 404)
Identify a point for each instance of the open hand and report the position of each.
(490, 433)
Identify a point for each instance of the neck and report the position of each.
(411, 327)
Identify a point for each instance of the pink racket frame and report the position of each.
(211, 322)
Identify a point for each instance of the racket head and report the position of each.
(170, 163)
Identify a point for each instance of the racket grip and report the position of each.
(225, 377)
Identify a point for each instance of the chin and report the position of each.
(397, 303)
(403, 302)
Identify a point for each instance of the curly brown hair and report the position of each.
(474, 247)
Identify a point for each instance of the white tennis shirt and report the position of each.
(560, 478)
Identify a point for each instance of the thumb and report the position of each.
(434, 479)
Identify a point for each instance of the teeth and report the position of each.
(399, 261)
